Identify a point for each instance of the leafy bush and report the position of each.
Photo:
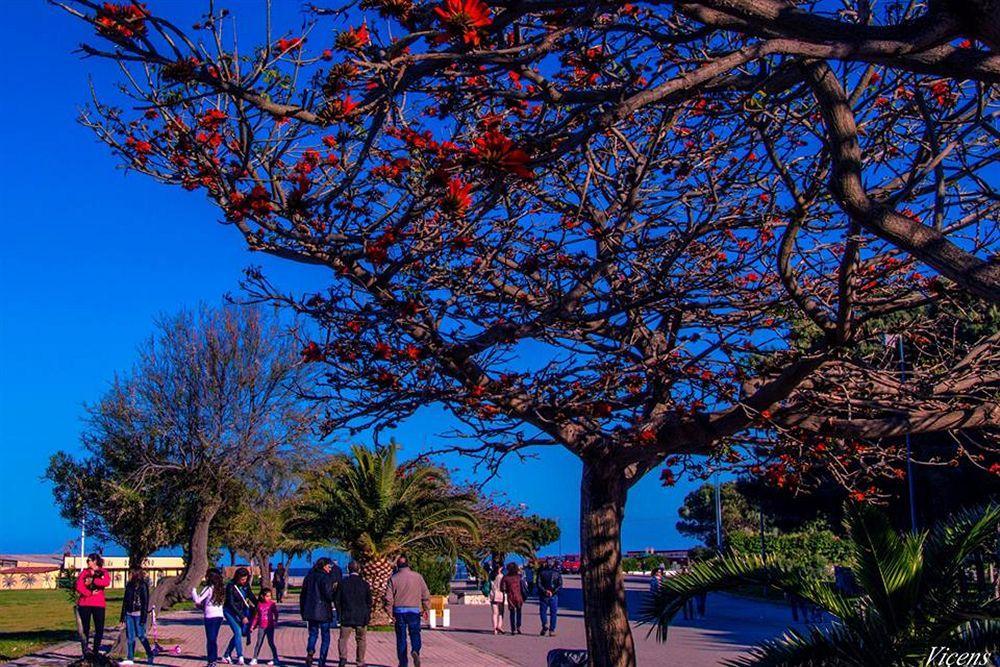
(814, 551)
(437, 572)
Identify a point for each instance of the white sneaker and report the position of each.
(126, 662)
(254, 661)
(239, 661)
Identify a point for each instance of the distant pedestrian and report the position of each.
(91, 605)
(407, 597)
(279, 580)
(354, 603)
(238, 609)
(316, 607)
(549, 583)
(135, 610)
(513, 587)
(265, 620)
(212, 600)
(700, 600)
(497, 599)
(529, 578)
(656, 579)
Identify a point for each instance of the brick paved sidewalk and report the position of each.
(184, 628)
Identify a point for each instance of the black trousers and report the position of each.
(97, 614)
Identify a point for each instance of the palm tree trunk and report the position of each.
(376, 571)
(602, 507)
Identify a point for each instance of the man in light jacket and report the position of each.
(407, 597)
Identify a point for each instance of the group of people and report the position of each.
(328, 600)
(693, 607)
(91, 609)
(508, 588)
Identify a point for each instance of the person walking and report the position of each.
(316, 607)
(238, 609)
(135, 609)
(212, 600)
(528, 574)
(407, 597)
(549, 583)
(354, 604)
(498, 599)
(656, 579)
(91, 605)
(265, 619)
(279, 580)
(513, 586)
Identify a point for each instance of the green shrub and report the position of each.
(813, 551)
(437, 572)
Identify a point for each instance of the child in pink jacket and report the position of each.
(265, 617)
(91, 605)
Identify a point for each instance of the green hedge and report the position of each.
(814, 552)
(437, 572)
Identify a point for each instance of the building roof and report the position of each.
(33, 558)
(29, 570)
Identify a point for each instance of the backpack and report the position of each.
(486, 587)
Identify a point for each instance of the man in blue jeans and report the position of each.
(316, 607)
(408, 598)
(549, 583)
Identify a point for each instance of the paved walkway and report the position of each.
(732, 624)
(185, 629)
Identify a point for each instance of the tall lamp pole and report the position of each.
(718, 515)
(909, 453)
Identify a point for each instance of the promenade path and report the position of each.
(732, 624)
(185, 628)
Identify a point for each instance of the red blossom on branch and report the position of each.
(465, 18)
(457, 198)
(121, 21)
(499, 152)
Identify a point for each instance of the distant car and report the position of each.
(571, 564)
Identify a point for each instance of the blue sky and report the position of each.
(90, 255)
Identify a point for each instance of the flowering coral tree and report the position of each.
(597, 225)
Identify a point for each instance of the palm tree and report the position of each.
(374, 508)
(914, 596)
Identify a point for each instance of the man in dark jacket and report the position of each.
(354, 604)
(549, 583)
(316, 606)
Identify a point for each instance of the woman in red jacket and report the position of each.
(90, 585)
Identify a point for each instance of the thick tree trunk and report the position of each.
(602, 507)
(376, 572)
(171, 590)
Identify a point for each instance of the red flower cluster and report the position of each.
(121, 21)
(465, 18)
(140, 148)
(313, 352)
(339, 109)
(257, 203)
(354, 39)
(212, 119)
(496, 150)
(457, 198)
(392, 171)
(941, 90)
(285, 45)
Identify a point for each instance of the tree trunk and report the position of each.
(376, 572)
(171, 590)
(602, 507)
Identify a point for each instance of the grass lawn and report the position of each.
(30, 620)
